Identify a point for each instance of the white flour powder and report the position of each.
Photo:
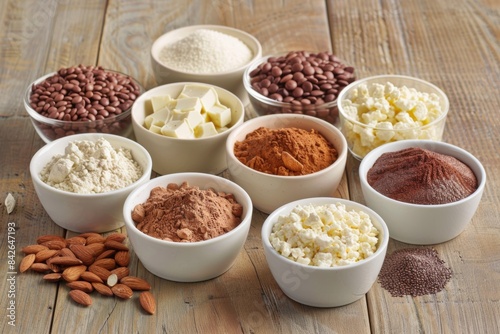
(89, 167)
(206, 51)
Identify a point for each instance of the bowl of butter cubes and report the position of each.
(388, 108)
(184, 126)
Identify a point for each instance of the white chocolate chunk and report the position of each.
(193, 117)
(177, 129)
(160, 102)
(220, 115)
(206, 94)
(205, 130)
(158, 118)
(188, 103)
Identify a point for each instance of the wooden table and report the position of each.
(454, 44)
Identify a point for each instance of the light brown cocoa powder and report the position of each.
(184, 213)
(285, 151)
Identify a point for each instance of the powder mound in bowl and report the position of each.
(419, 176)
(184, 213)
(206, 51)
(414, 272)
(285, 151)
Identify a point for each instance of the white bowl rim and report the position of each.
(347, 89)
(130, 223)
(57, 122)
(382, 243)
(86, 136)
(418, 143)
(341, 155)
(256, 48)
(145, 96)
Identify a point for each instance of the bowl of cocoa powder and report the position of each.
(426, 191)
(81, 99)
(298, 82)
(188, 227)
(281, 158)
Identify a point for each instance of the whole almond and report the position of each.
(48, 237)
(135, 283)
(73, 273)
(112, 244)
(85, 254)
(66, 252)
(45, 254)
(54, 244)
(33, 249)
(107, 253)
(102, 272)
(40, 267)
(122, 258)
(95, 239)
(107, 263)
(80, 285)
(65, 261)
(52, 277)
(80, 297)
(119, 237)
(147, 301)
(121, 272)
(97, 248)
(122, 291)
(103, 289)
(87, 235)
(76, 241)
(90, 277)
(26, 262)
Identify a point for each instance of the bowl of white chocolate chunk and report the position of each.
(184, 126)
(83, 180)
(325, 251)
(388, 108)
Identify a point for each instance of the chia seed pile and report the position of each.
(414, 272)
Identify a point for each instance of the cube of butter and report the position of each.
(220, 115)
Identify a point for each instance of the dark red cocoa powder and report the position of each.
(414, 272)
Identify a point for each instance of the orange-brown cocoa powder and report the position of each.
(185, 213)
(286, 151)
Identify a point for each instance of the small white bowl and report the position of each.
(174, 155)
(325, 287)
(418, 223)
(188, 261)
(86, 212)
(362, 137)
(268, 191)
(230, 80)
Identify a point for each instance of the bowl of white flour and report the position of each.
(83, 180)
(212, 54)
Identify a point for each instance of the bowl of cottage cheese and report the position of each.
(82, 180)
(325, 251)
(381, 109)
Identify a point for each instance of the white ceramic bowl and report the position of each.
(86, 212)
(417, 223)
(174, 155)
(230, 80)
(50, 129)
(363, 137)
(325, 287)
(269, 192)
(188, 261)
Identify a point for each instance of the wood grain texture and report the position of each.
(454, 45)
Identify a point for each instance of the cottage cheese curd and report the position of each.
(324, 235)
(381, 113)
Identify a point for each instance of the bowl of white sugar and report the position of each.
(325, 251)
(212, 54)
(83, 180)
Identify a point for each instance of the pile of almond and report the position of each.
(88, 262)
